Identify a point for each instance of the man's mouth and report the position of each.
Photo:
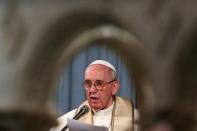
(94, 98)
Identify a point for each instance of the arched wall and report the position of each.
(62, 41)
(162, 90)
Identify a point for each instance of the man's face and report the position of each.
(100, 99)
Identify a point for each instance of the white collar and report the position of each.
(105, 111)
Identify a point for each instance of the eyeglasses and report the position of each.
(98, 84)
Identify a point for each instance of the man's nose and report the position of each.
(93, 88)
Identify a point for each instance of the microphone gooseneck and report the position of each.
(83, 110)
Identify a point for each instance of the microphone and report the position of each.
(83, 110)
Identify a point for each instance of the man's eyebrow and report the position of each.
(87, 80)
(98, 80)
(91, 80)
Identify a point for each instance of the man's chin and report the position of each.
(96, 107)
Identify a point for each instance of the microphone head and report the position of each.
(85, 108)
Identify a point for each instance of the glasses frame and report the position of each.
(100, 88)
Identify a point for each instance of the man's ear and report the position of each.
(115, 88)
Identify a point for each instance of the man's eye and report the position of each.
(99, 83)
(88, 83)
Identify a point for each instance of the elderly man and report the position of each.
(106, 109)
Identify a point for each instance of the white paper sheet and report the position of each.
(75, 125)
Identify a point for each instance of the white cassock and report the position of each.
(103, 117)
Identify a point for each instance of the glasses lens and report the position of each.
(87, 84)
(99, 84)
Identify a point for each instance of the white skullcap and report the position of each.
(103, 62)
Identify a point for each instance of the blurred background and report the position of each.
(45, 46)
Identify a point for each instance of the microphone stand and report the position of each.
(82, 111)
(65, 127)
